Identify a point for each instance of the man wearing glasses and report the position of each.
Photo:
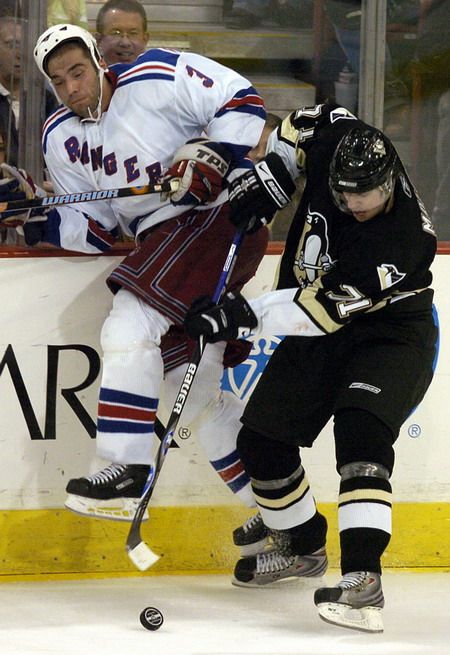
(121, 31)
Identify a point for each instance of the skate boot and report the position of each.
(252, 537)
(279, 563)
(355, 602)
(112, 493)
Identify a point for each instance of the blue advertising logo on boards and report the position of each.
(242, 379)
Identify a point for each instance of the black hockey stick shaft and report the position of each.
(134, 535)
(47, 202)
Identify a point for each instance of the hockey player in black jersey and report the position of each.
(354, 295)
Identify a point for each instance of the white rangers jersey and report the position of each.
(159, 102)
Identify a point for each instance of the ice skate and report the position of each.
(279, 563)
(252, 537)
(355, 602)
(112, 493)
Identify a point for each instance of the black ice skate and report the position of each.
(355, 602)
(112, 493)
(252, 537)
(279, 563)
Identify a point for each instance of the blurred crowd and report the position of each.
(417, 87)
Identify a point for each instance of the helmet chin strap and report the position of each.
(97, 114)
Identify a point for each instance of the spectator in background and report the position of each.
(433, 55)
(345, 16)
(67, 11)
(245, 14)
(121, 31)
(441, 208)
(11, 8)
(10, 72)
(10, 55)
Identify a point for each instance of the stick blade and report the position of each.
(142, 556)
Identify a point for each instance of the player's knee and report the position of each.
(362, 437)
(207, 407)
(132, 325)
(265, 458)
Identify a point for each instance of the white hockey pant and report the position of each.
(131, 380)
(131, 387)
(213, 416)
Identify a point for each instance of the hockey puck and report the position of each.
(151, 618)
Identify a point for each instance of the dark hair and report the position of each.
(129, 6)
(273, 121)
(69, 44)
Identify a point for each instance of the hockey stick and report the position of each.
(86, 196)
(138, 551)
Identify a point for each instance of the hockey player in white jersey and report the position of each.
(168, 114)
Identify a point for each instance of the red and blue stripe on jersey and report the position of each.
(246, 101)
(154, 64)
(60, 115)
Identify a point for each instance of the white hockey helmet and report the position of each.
(57, 34)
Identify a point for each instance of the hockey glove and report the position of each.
(257, 195)
(16, 184)
(200, 165)
(233, 318)
(34, 230)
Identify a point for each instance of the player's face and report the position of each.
(75, 79)
(123, 37)
(364, 206)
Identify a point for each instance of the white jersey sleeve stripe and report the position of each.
(247, 101)
(147, 72)
(58, 112)
(139, 69)
(53, 122)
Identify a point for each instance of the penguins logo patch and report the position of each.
(388, 274)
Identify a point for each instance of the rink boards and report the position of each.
(52, 311)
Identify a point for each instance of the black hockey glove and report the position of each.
(233, 318)
(200, 165)
(34, 230)
(10, 190)
(257, 195)
(15, 184)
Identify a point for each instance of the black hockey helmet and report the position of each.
(363, 160)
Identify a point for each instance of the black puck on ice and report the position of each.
(151, 618)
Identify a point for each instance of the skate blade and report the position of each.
(305, 582)
(122, 509)
(366, 619)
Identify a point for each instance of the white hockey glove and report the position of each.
(232, 319)
(200, 165)
(257, 195)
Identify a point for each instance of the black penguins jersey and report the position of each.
(344, 268)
